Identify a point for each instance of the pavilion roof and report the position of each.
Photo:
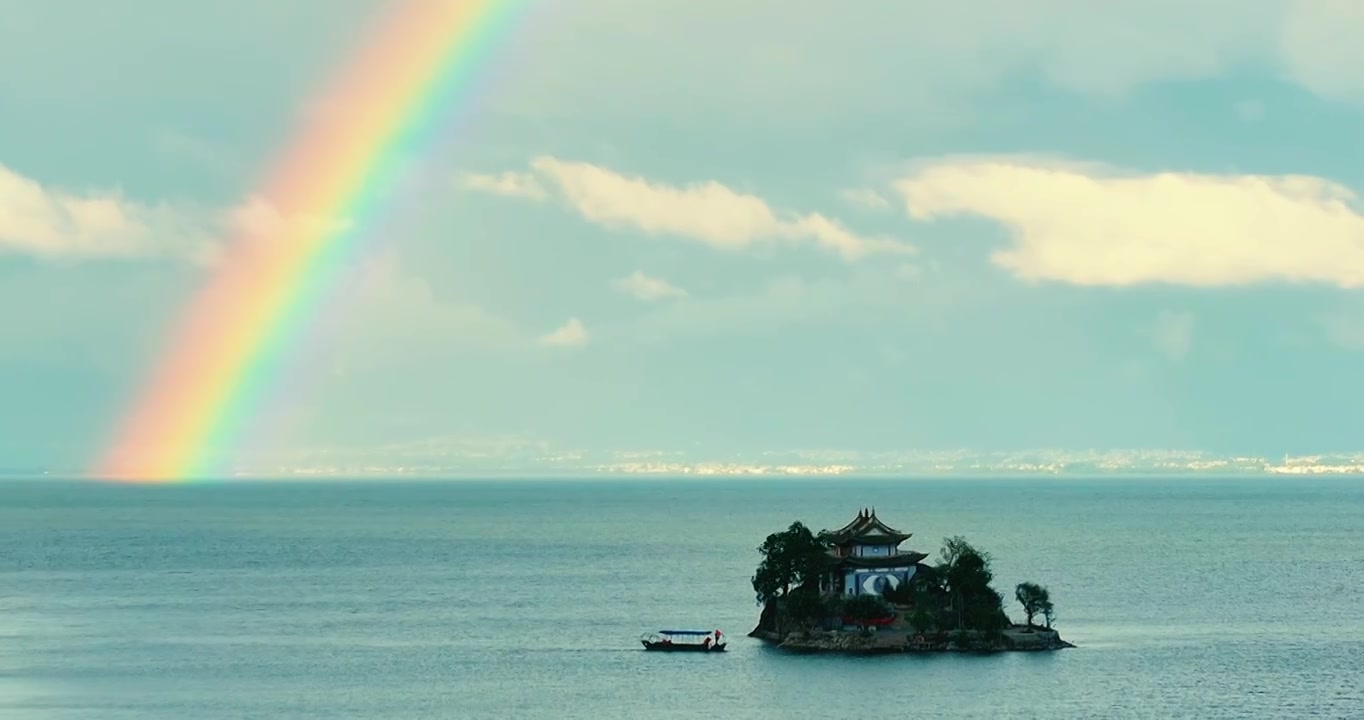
(867, 529)
(903, 559)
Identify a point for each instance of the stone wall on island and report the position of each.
(897, 638)
(1014, 639)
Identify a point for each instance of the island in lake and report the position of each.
(855, 590)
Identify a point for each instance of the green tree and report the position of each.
(805, 607)
(956, 546)
(864, 608)
(922, 621)
(901, 594)
(985, 612)
(1033, 597)
(966, 574)
(791, 558)
(1048, 612)
(970, 572)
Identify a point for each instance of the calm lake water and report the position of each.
(1203, 598)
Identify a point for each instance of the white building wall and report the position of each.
(864, 582)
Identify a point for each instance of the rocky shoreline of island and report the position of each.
(855, 590)
(881, 642)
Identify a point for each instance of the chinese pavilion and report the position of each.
(867, 559)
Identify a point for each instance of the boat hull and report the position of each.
(681, 647)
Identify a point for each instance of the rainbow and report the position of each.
(328, 185)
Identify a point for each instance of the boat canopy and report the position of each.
(685, 632)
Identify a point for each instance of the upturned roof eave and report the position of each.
(867, 529)
(868, 539)
(900, 560)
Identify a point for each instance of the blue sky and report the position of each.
(726, 227)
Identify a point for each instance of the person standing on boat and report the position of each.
(706, 643)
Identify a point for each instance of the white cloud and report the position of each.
(256, 219)
(1173, 334)
(1088, 225)
(510, 184)
(48, 222)
(648, 288)
(570, 334)
(865, 198)
(54, 223)
(708, 212)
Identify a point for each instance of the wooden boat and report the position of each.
(684, 641)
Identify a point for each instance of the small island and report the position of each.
(854, 590)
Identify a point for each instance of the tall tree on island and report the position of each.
(1034, 598)
(791, 558)
(967, 573)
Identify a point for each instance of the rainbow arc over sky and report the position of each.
(326, 188)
